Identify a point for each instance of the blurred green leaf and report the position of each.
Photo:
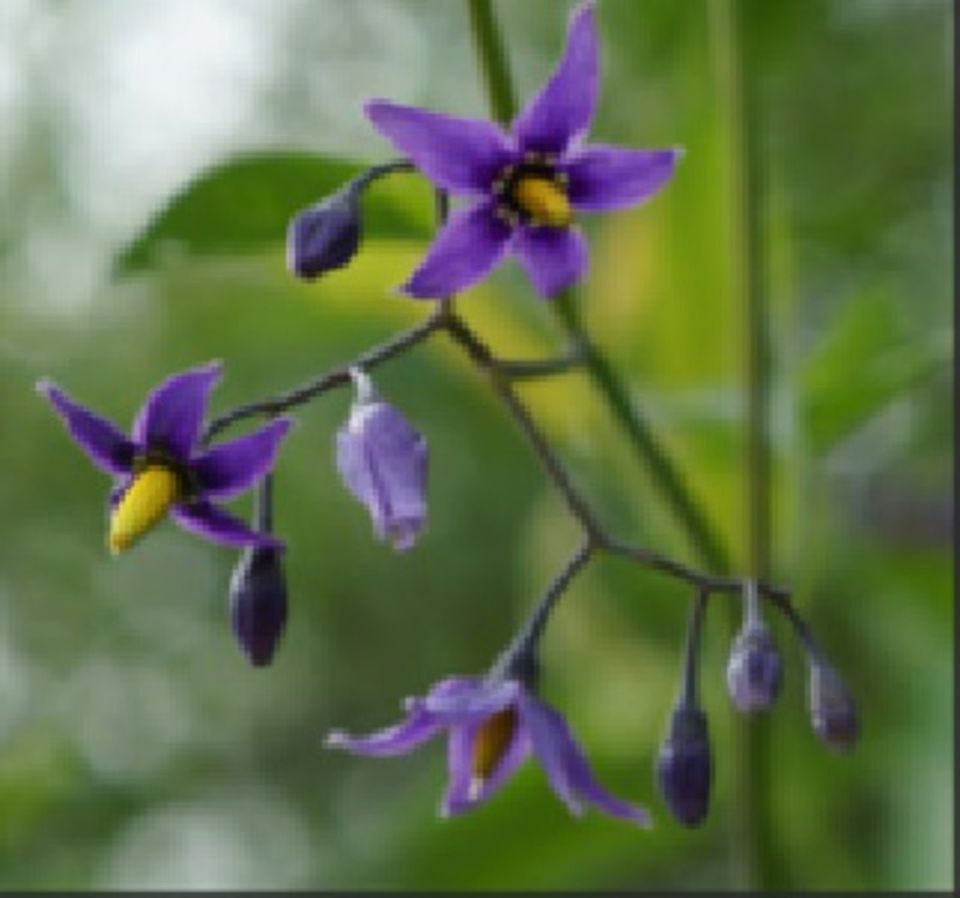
(245, 203)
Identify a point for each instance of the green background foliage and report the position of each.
(150, 158)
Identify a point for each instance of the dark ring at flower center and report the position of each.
(533, 192)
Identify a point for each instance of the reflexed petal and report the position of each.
(458, 154)
(105, 444)
(172, 416)
(546, 728)
(581, 778)
(383, 462)
(471, 243)
(230, 468)
(554, 258)
(395, 740)
(214, 523)
(560, 114)
(614, 178)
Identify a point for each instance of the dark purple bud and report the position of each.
(258, 602)
(754, 671)
(833, 711)
(325, 236)
(683, 766)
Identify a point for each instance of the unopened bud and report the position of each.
(258, 602)
(754, 671)
(325, 236)
(833, 711)
(683, 766)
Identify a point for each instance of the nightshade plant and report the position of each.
(525, 186)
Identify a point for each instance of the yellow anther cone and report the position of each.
(544, 201)
(152, 492)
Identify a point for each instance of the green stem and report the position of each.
(754, 831)
(665, 476)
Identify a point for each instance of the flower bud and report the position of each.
(258, 602)
(683, 766)
(325, 236)
(754, 672)
(833, 711)
(383, 462)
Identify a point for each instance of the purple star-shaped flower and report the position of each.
(526, 184)
(160, 468)
(493, 725)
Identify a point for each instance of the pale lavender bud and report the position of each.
(383, 462)
(754, 671)
(833, 711)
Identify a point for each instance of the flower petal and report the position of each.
(604, 177)
(171, 417)
(459, 154)
(561, 112)
(214, 523)
(104, 443)
(471, 243)
(478, 700)
(546, 728)
(383, 462)
(456, 800)
(554, 258)
(394, 740)
(230, 468)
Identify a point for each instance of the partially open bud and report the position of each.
(833, 711)
(754, 671)
(684, 767)
(258, 602)
(325, 236)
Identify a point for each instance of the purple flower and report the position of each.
(160, 468)
(383, 462)
(525, 184)
(492, 726)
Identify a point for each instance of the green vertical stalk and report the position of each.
(754, 832)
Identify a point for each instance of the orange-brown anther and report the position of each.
(489, 745)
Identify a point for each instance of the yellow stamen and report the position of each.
(147, 499)
(491, 741)
(544, 201)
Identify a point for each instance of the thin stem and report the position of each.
(494, 65)
(338, 377)
(688, 692)
(535, 368)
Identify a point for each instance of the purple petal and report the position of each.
(383, 462)
(171, 417)
(395, 740)
(546, 728)
(105, 444)
(613, 178)
(458, 154)
(476, 700)
(471, 243)
(230, 468)
(567, 768)
(554, 258)
(459, 768)
(214, 523)
(560, 114)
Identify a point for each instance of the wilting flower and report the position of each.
(833, 711)
(383, 462)
(527, 184)
(160, 468)
(258, 602)
(684, 766)
(754, 671)
(492, 726)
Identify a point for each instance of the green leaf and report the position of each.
(244, 204)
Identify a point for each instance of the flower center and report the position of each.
(533, 192)
(146, 500)
(544, 201)
(489, 745)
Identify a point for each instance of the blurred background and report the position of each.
(150, 157)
